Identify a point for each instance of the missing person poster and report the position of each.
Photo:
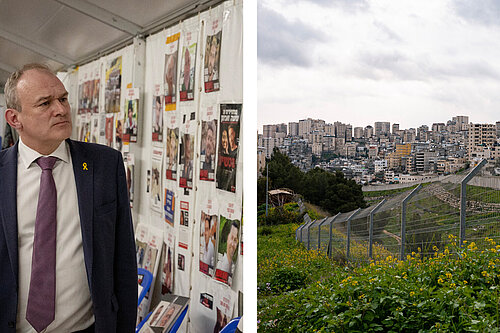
(188, 65)
(227, 251)
(211, 68)
(112, 89)
(208, 238)
(129, 161)
(94, 128)
(186, 160)
(131, 112)
(156, 179)
(167, 276)
(110, 126)
(170, 73)
(207, 149)
(172, 145)
(230, 115)
(157, 119)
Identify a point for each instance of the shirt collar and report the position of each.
(28, 155)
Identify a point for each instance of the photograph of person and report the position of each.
(187, 74)
(208, 144)
(150, 258)
(141, 251)
(95, 96)
(112, 89)
(180, 262)
(157, 118)
(131, 121)
(166, 287)
(212, 58)
(118, 134)
(170, 77)
(171, 158)
(227, 249)
(233, 140)
(156, 184)
(186, 161)
(207, 243)
(110, 119)
(168, 316)
(154, 317)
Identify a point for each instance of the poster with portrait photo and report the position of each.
(211, 67)
(157, 119)
(131, 112)
(172, 153)
(186, 155)
(118, 132)
(207, 149)
(83, 127)
(129, 161)
(95, 94)
(188, 65)
(229, 135)
(112, 88)
(224, 309)
(170, 73)
(167, 275)
(208, 239)
(156, 179)
(94, 128)
(109, 130)
(227, 249)
(151, 262)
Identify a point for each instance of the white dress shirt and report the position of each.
(73, 306)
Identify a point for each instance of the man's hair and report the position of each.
(10, 90)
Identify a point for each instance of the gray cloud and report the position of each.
(485, 12)
(387, 31)
(281, 42)
(386, 65)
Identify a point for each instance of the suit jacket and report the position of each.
(107, 234)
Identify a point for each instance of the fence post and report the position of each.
(403, 220)
(348, 245)
(319, 232)
(463, 199)
(370, 235)
(307, 219)
(309, 234)
(330, 236)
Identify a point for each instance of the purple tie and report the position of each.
(40, 311)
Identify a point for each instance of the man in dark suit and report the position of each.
(95, 262)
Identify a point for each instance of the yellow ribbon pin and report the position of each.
(85, 166)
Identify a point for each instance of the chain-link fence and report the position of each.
(419, 220)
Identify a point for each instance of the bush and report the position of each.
(287, 279)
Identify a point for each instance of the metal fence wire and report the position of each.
(419, 220)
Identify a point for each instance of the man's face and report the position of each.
(207, 231)
(232, 138)
(209, 144)
(45, 119)
(211, 58)
(224, 140)
(188, 148)
(232, 241)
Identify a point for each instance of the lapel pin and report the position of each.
(85, 166)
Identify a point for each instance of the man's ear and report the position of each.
(12, 117)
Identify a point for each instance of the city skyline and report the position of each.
(359, 62)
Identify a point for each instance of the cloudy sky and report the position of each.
(360, 61)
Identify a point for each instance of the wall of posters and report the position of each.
(184, 176)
